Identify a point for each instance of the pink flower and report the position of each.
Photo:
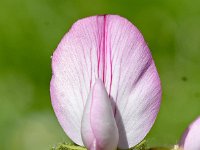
(105, 89)
(191, 137)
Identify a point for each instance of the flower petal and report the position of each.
(191, 138)
(75, 65)
(99, 129)
(132, 81)
(110, 48)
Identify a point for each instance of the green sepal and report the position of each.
(68, 146)
(72, 146)
(160, 148)
(141, 146)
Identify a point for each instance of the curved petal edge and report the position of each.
(191, 137)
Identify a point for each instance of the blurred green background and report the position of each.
(30, 31)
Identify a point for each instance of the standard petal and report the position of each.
(75, 68)
(134, 82)
(99, 129)
(191, 138)
(110, 48)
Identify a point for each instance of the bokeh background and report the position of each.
(30, 31)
